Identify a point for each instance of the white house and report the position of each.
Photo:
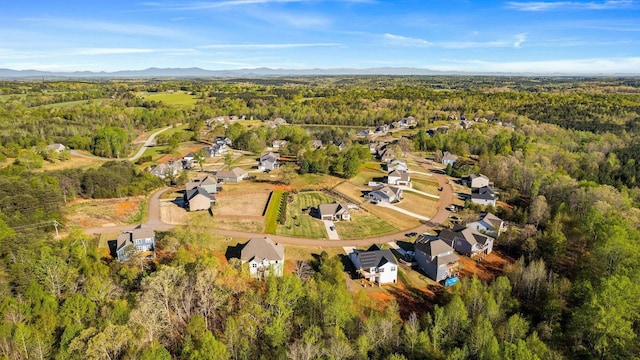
(264, 257)
(387, 194)
(483, 196)
(449, 158)
(399, 178)
(397, 165)
(56, 147)
(488, 224)
(268, 161)
(375, 265)
(335, 212)
(476, 181)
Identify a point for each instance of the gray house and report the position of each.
(142, 239)
(198, 199)
(436, 258)
(387, 194)
(467, 241)
(268, 161)
(209, 183)
(483, 196)
(399, 177)
(488, 224)
(233, 175)
(335, 211)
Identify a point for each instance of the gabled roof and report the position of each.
(388, 191)
(375, 258)
(203, 180)
(269, 156)
(139, 232)
(191, 193)
(485, 193)
(331, 209)
(262, 249)
(468, 234)
(449, 156)
(491, 219)
(476, 176)
(403, 175)
(235, 172)
(432, 247)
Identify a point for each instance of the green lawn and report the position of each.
(428, 186)
(367, 174)
(271, 218)
(182, 99)
(300, 224)
(363, 225)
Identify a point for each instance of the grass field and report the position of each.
(351, 191)
(181, 99)
(363, 225)
(399, 220)
(367, 174)
(271, 218)
(303, 225)
(74, 103)
(425, 184)
(419, 204)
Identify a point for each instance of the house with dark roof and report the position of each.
(489, 224)
(399, 178)
(234, 175)
(449, 158)
(209, 183)
(387, 194)
(483, 196)
(335, 212)
(264, 257)
(268, 161)
(467, 241)
(197, 199)
(436, 258)
(142, 239)
(375, 265)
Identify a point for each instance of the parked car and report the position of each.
(411, 234)
(332, 228)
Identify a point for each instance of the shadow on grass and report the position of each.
(234, 251)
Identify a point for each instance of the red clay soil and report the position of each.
(487, 269)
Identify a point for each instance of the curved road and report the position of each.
(446, 196)
(132, 158)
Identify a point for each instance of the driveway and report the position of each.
(333, 234)
(406, 212)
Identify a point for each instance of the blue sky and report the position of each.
(583, 37)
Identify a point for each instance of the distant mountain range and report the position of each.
(195, 72)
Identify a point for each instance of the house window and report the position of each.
(254, 265)
(393, 268)
(381, 270)
(137, 241)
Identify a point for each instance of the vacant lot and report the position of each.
(172, 98)
(419, 204)
(102, 212)
(368, 173)
(399, 220)
(301, 224)
(425, 183)
(364, 225)
(351, 191)
(240, 203)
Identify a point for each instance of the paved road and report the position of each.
(132, 158)
(446, 198)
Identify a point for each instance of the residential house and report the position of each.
(488, 224)
(466, 124)
(340, 144)
(197, 199)
(56, 147)
(436, 258)
(365, 132)
(268, 161)
(448, 158)
(316, 144)
(467, 241)
(209, 183)
(386, 194)
(483, 196)
(383, 128)
(408, 121)
(399, 178)
(386, 155)
(476, 181)
(212, 121)
(335, 212)
(167, 170)
(233, 175)
(142, 239)
(279, 144)
(216, 150)
(264, 257)
(397, 165)
(375, 265)
(223, 140)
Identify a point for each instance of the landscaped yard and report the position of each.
(419, 204)
(363, 225)
(273, 211)
(301, 224)
(393, 217)
(425, 184)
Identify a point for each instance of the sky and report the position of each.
(577, 37)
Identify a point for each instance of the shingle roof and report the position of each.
(485, 193)
(203, 180)
(375, 258)
(432, 247)
(403, 175)
(262, 248)
(235, 172)
(331, 209)
(491, 219)
(191, 193)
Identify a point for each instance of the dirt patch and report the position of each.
(241, 204)
(100, 212)
(171, 213)
(486, 269)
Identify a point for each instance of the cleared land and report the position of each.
(418, 204)
(172, 98)
(399, 220)
(103, 212)
(248, 204)
(425, 184)
(363, 225)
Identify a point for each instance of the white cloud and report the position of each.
(571, 5)
(400, 40)
(588, 66)
(267, 46)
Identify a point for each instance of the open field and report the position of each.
(242, 224)
(351, 191)
(399, 220)
(418, 204)
(363, 225)
(101, 212)
(301, 224)
(425, 183)
(273, 211)
(245, 204)
(73, 163)
(367, 174)
(183, 99)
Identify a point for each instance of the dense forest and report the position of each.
(562, 151)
